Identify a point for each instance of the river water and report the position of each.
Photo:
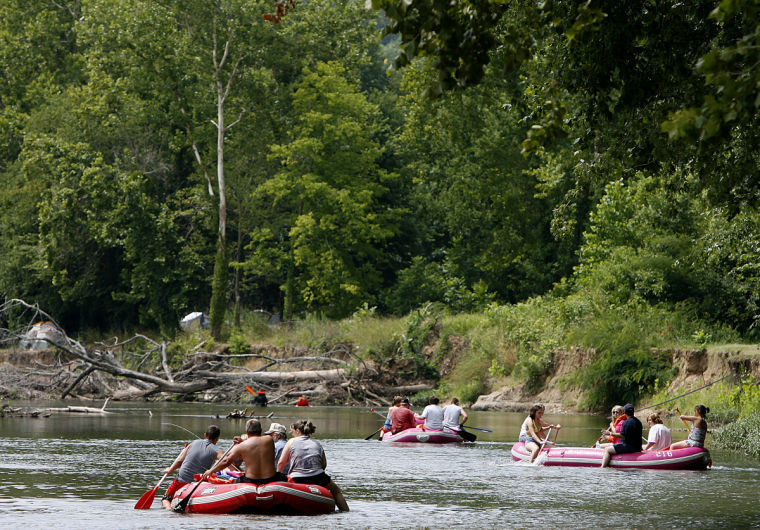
(86, 471)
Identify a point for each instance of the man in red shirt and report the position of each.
(402, 417)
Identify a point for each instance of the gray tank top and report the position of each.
(200, 456)
(305, 457)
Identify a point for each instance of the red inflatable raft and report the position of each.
(275, 497)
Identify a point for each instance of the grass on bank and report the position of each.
(515, 343)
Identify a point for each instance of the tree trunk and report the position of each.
(219, 285)
(236, 282)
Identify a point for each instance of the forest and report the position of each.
(321, 158)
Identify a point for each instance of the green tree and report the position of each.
(333, 196)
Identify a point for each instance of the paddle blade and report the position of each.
(249, 389)
(146, 500)
(374, 433)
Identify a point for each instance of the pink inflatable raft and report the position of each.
(687, 458)
(422, 436)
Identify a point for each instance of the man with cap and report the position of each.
(257, 452)
(279, 435)
(631, 437)
(402, 417)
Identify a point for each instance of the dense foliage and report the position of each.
(158, 154)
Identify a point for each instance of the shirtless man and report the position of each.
(257, 452)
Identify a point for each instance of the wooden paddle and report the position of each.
(182, 505)
(146, 500)
(688, 427)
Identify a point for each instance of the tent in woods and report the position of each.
(40, 336)
(194, 320)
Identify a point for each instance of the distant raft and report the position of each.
(687, 458)
(275, 497)
(418, 435)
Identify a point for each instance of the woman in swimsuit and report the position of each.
(698, 429)
(532, 429)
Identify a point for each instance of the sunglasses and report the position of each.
(616, 412)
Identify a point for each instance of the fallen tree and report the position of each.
(139, 367)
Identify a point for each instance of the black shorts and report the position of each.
(323, 479)
(277, 477)
(626, 448)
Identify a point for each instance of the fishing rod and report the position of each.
(684, 394)
(180, 427)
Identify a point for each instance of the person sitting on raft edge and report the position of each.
(195, 458)
(698, 429)
(631, 434)
(396, 403)
(532, 429)
(451, 415)
(612, 433)
(308, 462)
(659, 436)
(432, 414)
(402, 417)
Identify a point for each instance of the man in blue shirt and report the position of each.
(631, 437)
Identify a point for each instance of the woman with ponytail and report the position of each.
(698, 428)
(308, 461)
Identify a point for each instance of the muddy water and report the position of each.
(88, 472)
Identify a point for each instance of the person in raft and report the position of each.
(452, 413)
(432, 414)
(396, 403)
(195, 458)
(659, 435)
(402, 417)
(612, 433)
(257, 452)
(631, 437)
(698, 429)
(302, 401)
(279, 434)
(532, 429)
(308, 461)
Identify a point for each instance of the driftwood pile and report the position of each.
(140, 368)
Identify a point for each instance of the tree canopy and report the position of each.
(158, 155)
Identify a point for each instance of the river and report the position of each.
(86, 471)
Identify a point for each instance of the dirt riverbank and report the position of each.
(693, 367)
(27, 374)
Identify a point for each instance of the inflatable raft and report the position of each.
(422, 436)
(275, 497)
(687, 458)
